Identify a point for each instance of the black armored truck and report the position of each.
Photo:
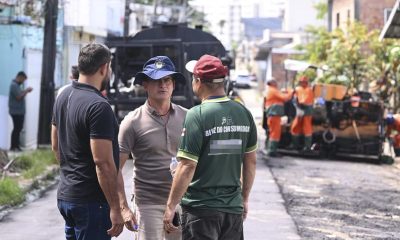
(177, 41)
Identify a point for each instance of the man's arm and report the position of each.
(54, 142)
(284, 97)
(108, 180)
(249, 173)
(23, 93)
(127, 215)
(183, 176)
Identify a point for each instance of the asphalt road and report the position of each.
(337, 199)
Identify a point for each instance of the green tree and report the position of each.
(348, 55)
(356, 58)
(322, 9)
(319, 42)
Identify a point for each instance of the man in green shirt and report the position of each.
(218, 147)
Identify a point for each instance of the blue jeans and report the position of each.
(85, 221)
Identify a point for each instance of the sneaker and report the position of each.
(294, 147)
(306, 150)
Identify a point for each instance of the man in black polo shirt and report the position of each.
(85, 141)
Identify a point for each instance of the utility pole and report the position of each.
(48, 66)
(127, 15)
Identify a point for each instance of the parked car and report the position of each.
(242, 81)
(253, 77)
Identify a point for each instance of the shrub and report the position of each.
(23, 162)
(34, 163)
(10, 192)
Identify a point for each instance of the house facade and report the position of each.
(372, 13)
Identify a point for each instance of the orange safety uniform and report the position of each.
(395, 126)
(302, 123)
(274, 108)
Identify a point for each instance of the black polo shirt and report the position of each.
(81, 113)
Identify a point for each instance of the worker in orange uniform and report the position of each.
(274, 109)
(302, 123)
(393, 123)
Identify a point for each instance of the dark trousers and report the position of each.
(85, 221)
(18, 121)
(208, 224)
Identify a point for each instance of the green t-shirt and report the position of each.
(216, 135)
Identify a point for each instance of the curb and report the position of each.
(34, 189)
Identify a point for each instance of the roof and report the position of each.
(265, 48)
(296, 65)
(254, 27)
(392, 26)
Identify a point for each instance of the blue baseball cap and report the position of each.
(157, 68)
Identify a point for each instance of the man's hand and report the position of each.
(245, 209)
(129, 219)
(168, 217)
(29, 89)
(183, 175)
(117, 223)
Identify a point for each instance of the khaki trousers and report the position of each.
(150, 221)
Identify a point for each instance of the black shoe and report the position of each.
(294, 147)
(306, 150)
(17, 149)
(274, 154)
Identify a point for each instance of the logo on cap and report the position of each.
(159, 64)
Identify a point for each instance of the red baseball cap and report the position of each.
(208, 68)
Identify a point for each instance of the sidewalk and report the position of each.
(267, 217)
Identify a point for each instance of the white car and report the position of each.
(243, 81)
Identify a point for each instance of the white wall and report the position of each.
(33, 70)
(28, 137)
(5, 124)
